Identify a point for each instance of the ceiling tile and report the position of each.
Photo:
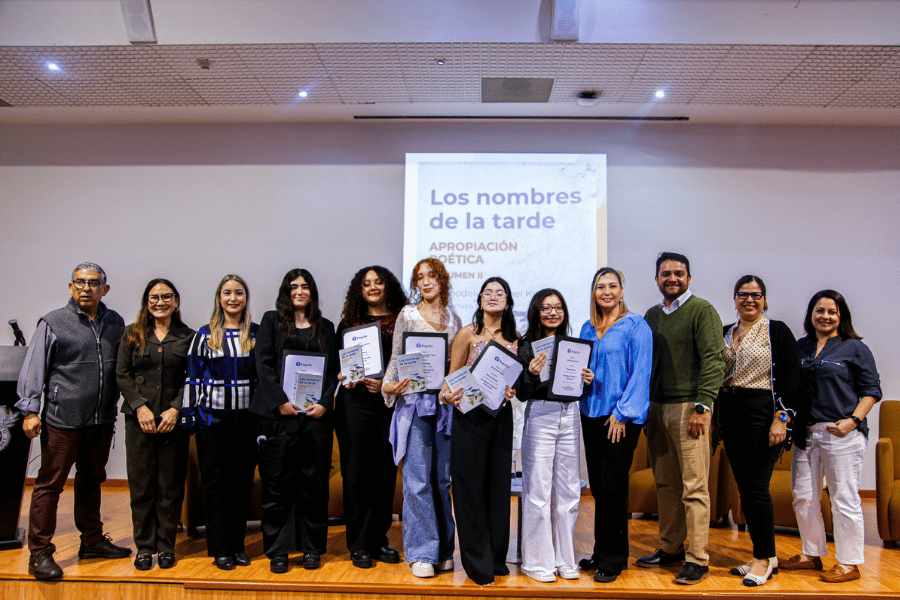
(760, 62)
(364, 73)
(676, 62)
(849, 63)
(734, 91)
(284, 91)
(225, 62)
(29, 92)
(458, 79)
(231, 91)
(94, 92)
(869, 94)
(161, 93)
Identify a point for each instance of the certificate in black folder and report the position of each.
(433, 348)
(495, 369)
(570, 356)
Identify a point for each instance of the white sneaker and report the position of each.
(542, 576)
(568, 572)
(446, 565)
(422, 569)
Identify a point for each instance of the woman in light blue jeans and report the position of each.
(420, 429)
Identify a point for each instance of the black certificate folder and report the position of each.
(426, 342)
(560, 364)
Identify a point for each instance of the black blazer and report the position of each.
(155, 375)
(271, 342)
(789, 386)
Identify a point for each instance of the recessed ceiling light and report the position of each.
(52, 66)
(660, 94)
(302, 94)
(440, 61)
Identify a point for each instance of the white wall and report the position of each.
(806, 208)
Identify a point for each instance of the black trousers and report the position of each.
(227, 455)
(480, 468)
(294, 462)
(744, 418)
(367, 470)
(156, 466)
(608, 467)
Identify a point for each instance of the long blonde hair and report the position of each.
(217, 320)
(596, 317)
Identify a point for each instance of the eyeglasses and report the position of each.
(80, 284)
(161, 298)
(547, 309)
(490, 294)
(745, 295)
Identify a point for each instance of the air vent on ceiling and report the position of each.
(516, 89)
(672, 119)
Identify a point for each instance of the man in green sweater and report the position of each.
(688, 369)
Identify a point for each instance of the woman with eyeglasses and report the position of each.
(150, 370)
(294, 443)
(420, 428)
(363, 422)
(756, 403)
(481, 453)
(830, 435)
(551, 449)
(612, 414)
(221, 380)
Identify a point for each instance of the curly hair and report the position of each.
(285, 307)
(440, 272)
(355, 306)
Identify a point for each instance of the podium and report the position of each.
(14, 457)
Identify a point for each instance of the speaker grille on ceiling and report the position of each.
(516, 89)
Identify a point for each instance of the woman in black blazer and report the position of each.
(150, 371)
(294, 443)
(756, 404)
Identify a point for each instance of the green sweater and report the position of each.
(688, 352)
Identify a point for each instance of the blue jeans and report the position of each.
(427, 514)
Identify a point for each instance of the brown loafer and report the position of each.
(840, 573)
(796, 563)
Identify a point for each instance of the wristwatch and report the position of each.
(700, 408)
(856, 420)
(783, 416)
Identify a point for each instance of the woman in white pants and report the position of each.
(830, 435)
(551, 485)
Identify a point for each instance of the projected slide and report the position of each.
(538, 220)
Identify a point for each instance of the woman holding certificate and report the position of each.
(612, 415)
(221, 377)
(296, 386)
(481, 454)
(551, 448)
(420, 427)
(362, 421)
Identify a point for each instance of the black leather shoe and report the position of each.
(279, 564)
(660, 559)
(311, 560)
(103, 549)
(43, 567)
(386, 554)
(588, 564)
(143, 561)
(361, 559)
(604, 576)
(241, 559)
(691, 573)
(226, 563)
(166, 560)
(501, 570)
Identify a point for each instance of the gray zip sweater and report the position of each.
(71, 362)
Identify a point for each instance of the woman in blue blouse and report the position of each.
(612, 415)
(221, 377)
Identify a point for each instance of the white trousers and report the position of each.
(840, 461)
(551, 485)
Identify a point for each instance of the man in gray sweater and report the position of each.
(71, 364)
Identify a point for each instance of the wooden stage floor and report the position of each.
(195, 578)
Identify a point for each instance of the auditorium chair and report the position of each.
(782, 498)
(887, 472)
(193, 511)
(642, 485)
